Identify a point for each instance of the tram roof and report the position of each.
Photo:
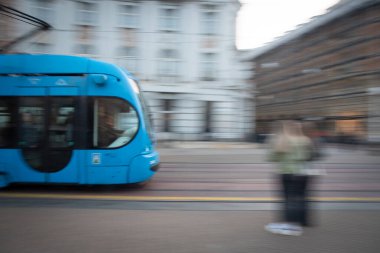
(56, 64)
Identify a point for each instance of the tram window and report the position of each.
(61, 126)
(32, 112)
(115, 123)
(6, 130)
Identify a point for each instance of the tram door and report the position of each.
(46, 135)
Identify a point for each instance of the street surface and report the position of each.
(207, 197)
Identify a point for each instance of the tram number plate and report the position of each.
(96, 158)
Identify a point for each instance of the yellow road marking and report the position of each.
(176, 198)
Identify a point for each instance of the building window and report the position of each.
(43, 9)
(5, 29)
(168, 107)
(41, 48)
(168, 63)
(128, 58)
(208, 67)
(84, 50)
(128, 15)
(209, 20)
(85, 34)
(169, 18)
(86, 13)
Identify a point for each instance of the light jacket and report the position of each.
(294, 159)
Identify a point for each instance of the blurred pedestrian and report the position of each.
(290, 149)
(315, 138)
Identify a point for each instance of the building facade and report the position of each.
(327, 70)
(183, 52)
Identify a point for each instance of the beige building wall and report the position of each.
(325, 75)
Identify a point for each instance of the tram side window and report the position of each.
(61, 125)
(40, 120)
(32, 113)
(6, 128)
(115, 123)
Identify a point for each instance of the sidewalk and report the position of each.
(246, 152)
(209, 145)
(252, 145)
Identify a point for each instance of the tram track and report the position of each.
(218, 183)
(212, 188)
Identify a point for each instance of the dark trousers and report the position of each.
(295, 195)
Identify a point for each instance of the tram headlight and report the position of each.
(134, 85)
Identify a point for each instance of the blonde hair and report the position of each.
(288, 133)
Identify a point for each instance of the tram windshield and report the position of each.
(115, 122)
(146, 112)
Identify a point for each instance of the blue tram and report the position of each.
(74, 120)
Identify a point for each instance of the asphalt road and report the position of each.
(33, 229)
(202, 200)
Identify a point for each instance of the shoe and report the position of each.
(290, 229)
(284, 229)
(274, 227)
